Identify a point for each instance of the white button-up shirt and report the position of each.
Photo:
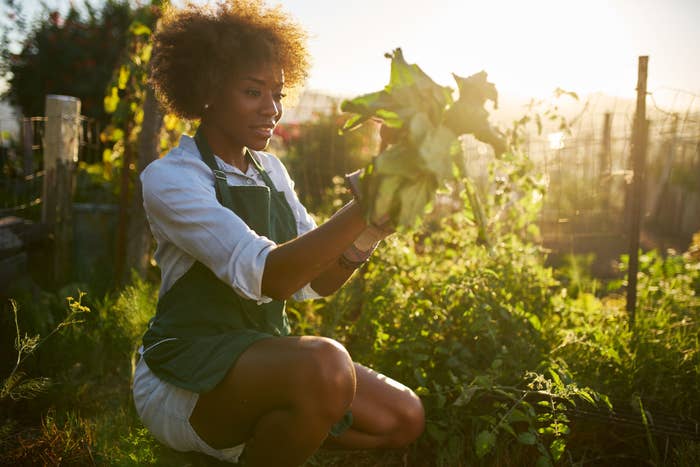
(189, 224)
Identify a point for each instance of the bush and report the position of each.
(464, 326)
(513, 361)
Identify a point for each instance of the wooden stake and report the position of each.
(27, 143)
(120, 254)
(640, 133)
(61, 141)
(605, 168)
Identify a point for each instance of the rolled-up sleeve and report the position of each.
(187, 214)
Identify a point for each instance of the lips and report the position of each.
(264, 131)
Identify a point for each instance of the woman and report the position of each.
(219, 371)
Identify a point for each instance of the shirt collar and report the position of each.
(188, 145)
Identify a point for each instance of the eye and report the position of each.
(253, 92)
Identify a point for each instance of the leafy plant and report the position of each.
(17, 385)
(402, 180)
(462, 325)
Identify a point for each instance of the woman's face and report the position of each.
(247, 109)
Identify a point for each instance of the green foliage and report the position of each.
(574, 273)
(465, 338)
(108, 343)
(96, 183)
(402, 180)
(543, 114)
(653, 367)
(72, 55)
(17, 385)
(513, 196)
(125, 93)
(502, 353)
(90, 409)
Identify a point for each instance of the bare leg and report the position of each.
(280, 398)
(386, 414)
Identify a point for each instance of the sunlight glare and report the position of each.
(556, 140)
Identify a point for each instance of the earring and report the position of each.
(206, 106)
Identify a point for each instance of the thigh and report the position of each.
(266, 377)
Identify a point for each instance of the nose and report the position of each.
(271, 107)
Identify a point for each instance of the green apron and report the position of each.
(201, 325)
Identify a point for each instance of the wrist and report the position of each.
(353, 257)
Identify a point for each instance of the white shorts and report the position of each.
(165, 410)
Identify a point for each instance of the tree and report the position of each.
(133, 133)
(72, 55)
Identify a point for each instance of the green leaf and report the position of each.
(112, 100)
(139, 29)
(384, 201)
(467, 114)
(376, 104)
(419, 127)
(557, 448)
(478, 211)
(587, 397)
(414, 198)
(485, 441)
(124, 73)
(465, 397)
(440, 401)
(555, 377)
(543, 461)
(401, 160)
(517, 415)
(534, 321)
(354, 122)
(437, 433)
(436, 151)
(606, 400)
(414, 91)
(527, 438)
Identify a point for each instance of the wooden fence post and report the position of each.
(639, 149)
(61, 141)
(605, 168)
(27, 146)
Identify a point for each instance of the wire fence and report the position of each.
(22, 164)
(588, 174)
(587, 169)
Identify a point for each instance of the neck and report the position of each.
(222, 146)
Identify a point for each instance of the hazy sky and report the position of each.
(527, 47)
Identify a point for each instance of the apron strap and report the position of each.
(263, 173)
(222, 191)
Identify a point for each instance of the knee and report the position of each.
(409, 422)
(327, 380)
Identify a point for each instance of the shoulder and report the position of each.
(181, 165)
